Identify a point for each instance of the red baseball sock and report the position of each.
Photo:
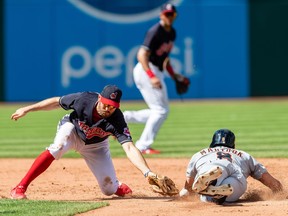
(41, 163)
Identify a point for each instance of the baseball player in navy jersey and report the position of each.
(149, 78)
(219, 173)
(86, 129)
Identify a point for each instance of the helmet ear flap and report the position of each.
(223, 137)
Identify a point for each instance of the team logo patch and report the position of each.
(223, 140)
(113, 95)
(169, 7)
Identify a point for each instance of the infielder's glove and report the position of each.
(182, 84)
(162, 185)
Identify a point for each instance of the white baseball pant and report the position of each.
(156, 100)
(230, 175)
(97, 156)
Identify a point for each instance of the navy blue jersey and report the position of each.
(160, 43)
(83, 104)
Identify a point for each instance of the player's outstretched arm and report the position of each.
(47, 104)
(159, 183)
(268, 180)
(135, 157)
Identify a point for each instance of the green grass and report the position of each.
(260, 126)
(45, 208)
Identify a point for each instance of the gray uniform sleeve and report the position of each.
(249, 165)
(257, 169)
(191, 170)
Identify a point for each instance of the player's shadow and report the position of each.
(250, 196)
(142, 196)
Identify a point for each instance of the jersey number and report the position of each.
(226, 156)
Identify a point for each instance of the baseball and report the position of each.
(183, 192)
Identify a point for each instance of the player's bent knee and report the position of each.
(56, 151)
(160, 114)
(108, 188)
(108, 191)
(239, 188)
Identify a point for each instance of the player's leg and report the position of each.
(140, 80)
(44, 160)
(157, 101)
(159, 112)
(98, 159)
(239, 184)
(229, 186)
(217, 170)
(207, 182)
(137, 116)
(205, 177)
(230, 190)
(40, 164)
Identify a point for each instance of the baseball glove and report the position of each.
(182, 84)
(162, 185)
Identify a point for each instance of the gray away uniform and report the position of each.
(237, 166)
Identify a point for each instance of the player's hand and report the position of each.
(18, 114)
(155, 82)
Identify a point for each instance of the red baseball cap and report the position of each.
(111, 95)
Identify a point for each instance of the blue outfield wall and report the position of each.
(55, 47)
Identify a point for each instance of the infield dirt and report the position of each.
(70, 179)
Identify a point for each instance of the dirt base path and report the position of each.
(70, 179)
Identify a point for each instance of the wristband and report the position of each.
(150, 73)
(146, 173)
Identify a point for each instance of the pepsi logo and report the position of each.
(124, 11)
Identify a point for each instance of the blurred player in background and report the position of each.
(149, 78)
(219, 173)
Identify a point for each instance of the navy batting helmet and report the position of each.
(223, 137)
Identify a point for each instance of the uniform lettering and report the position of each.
(203, 152)
(225, 150)
(92, 132)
